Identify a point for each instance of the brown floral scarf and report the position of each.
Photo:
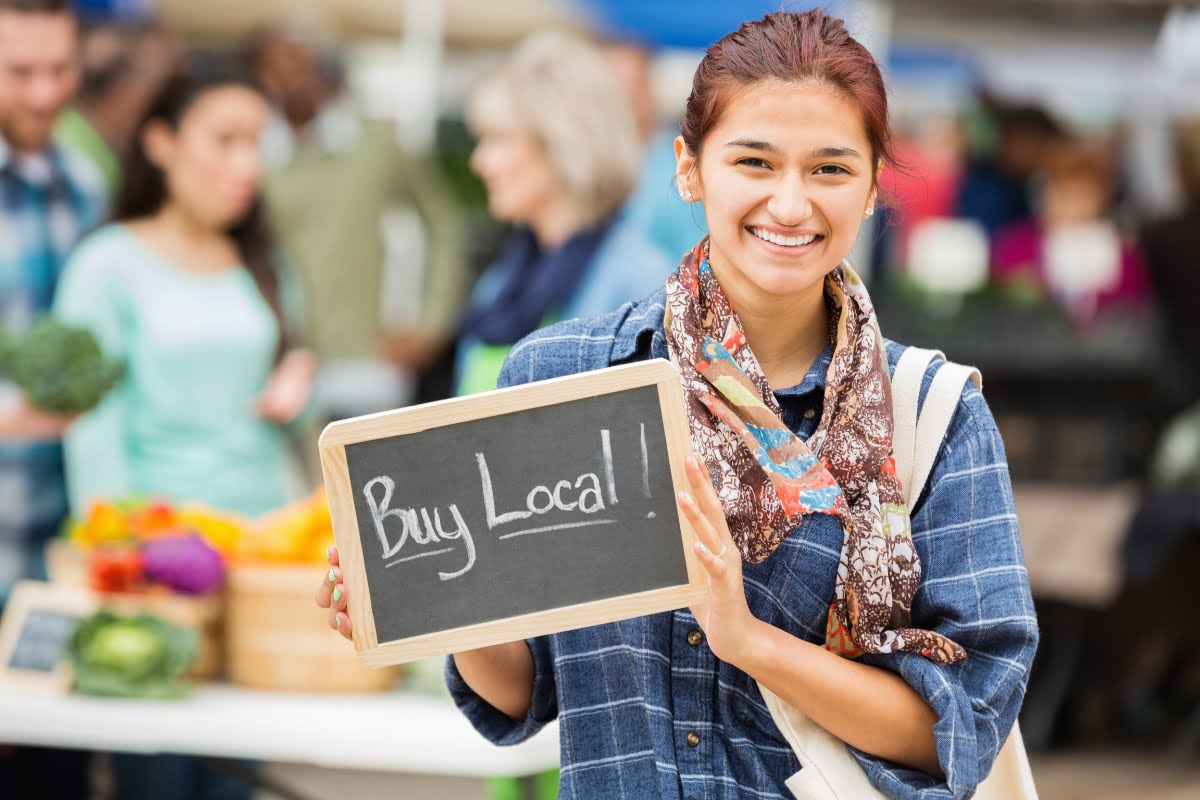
(768, 479)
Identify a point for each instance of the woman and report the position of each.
(1076, 191)
(180, 288)
(558, 153)
(784, 134)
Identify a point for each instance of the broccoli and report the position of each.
(58, 367)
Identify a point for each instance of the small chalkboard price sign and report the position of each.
(35, 632)
(514, 513)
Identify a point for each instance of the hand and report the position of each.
(331, 594)
(725, 616)
(288, 388)
(412, 348)
(26, 422)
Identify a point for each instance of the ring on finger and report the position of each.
(723, 551)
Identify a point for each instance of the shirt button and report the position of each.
(693, 739)
(694, 638)
(812, 412)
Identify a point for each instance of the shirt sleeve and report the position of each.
(975, 590)
(496, 726)
(95, 445)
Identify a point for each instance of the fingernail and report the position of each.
(329, 554)
(337, 594)
(694, 462)
(703, 549)
(332, 576)
(337, 619)
(687, 498)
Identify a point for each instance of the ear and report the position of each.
(686, 177)
(158, 142)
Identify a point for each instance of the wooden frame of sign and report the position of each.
(502, 409)
(27, 599)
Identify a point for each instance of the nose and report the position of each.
(790, 203)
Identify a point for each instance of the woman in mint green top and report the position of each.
(179, 288)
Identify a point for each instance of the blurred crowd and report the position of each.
(265, 257)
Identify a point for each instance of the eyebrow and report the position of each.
(822, 152)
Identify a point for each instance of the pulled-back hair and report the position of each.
(560, 89)
(38, 6)
(143, 188)
(809, 47)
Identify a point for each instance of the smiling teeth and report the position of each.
(786, 241)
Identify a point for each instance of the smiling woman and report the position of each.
(905, 631)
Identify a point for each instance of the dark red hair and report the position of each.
(808, 47)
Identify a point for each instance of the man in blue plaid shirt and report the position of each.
(48, 199)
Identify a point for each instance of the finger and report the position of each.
(325, 590)
(710, 504)
(331, 555)
(338, 598)
(717, 568)
(701, 525)
(340, 622)
(702, 488)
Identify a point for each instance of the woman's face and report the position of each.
(786, 177)
(519, 178)
(211, 162)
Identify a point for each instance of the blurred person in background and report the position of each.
(995, 189)
(334, 177)
(181, 288)
(558, 153)
(654, 209)
(49, 199)
(1075, 188)
(1170, 246)
(121, 68)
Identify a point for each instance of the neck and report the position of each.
(185, 226)
(556, 221)
(786, 334)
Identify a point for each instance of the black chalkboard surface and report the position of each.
(36, 628)
(523, 511)
(43, 641)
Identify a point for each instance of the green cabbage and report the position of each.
(131, 656)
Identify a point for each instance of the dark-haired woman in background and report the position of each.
(180, 287)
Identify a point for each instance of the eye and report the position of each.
(832, 169)
(752, 162)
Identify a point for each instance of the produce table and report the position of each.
(401, 732)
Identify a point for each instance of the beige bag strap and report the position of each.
(829, 771)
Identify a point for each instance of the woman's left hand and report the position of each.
(724, 617)
(287, 390)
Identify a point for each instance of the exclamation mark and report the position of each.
(645, 468)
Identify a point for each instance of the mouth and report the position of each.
(790, 242)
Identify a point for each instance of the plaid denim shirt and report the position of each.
(629, 694)
(47, 204)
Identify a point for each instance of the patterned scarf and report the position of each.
(768, 479)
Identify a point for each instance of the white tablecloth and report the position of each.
(398, 732)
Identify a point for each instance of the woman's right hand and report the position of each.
(331, 594)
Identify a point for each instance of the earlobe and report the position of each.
(155, 142)
(684, 170)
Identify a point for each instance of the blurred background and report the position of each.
(1044, 227)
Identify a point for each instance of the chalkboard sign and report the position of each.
(35, 631)
(514, 513)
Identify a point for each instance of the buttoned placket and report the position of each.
(693, 687)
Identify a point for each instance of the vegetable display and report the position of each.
(59, 368)
(131, 656)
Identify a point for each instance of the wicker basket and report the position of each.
(278, 639)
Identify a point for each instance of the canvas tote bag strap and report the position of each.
(828, 770)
